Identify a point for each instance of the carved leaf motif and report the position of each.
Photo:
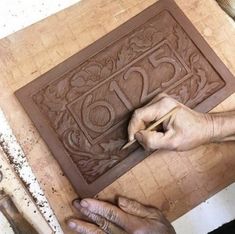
(145, 40)
(194, 58)
(92, 168)
(213, 86)
(86, 78)
(124, 56)
(52, 98)
(184, 94)
(102, 166)
(182, 41)
(53, 101)
(108, 68)
(60, 89)
(64, 117)
(71, 140)
(76, 91)
(94, 70)
(79, 79)
(203, 80)
(112, 145)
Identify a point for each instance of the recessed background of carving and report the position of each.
(89, 106)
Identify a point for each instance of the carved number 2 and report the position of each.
(115, 87)
(145, 80)
(144, 95)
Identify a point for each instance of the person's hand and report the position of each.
(129, 217)
(185, 130)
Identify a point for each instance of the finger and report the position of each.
(135, 124)
(103, 223)
(135, 208)
(153, 140)
(139, 119)
(158, 98)
(82, 227)
(142, 116)
(106, 210)
(149, 113)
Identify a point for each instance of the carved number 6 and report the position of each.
(87, 108)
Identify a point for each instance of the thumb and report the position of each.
(152, 140)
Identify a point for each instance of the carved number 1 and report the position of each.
(115, 87)
(145, 81)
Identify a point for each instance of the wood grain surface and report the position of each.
(12, 186)
(175, 182)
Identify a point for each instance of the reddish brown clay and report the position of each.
(81, 107)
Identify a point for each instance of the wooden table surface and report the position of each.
(175, 182)
(12, 186)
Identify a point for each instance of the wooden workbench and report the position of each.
(12, 186)
(175, 182)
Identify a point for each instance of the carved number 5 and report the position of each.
(145, 80)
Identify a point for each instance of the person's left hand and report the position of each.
(129, 217)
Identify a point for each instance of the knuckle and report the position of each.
(165, 101)
(104, 224)
(162, 95)
(137, 113)
(82, 230)
(111, 215)
(131, 127)
(98, 232)
(155, 212)
(94, 218)
(149, 142)
(174, 144)
(89, 230)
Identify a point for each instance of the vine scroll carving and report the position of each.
(86, 109)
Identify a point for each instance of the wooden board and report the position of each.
(12, 185)
(82, 107)
(175, 182)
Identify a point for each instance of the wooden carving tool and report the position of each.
(18, 223)
(154, 125)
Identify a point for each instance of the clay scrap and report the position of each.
(81, 107)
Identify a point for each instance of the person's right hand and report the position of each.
(185, 130)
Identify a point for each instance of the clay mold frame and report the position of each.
(82, 106)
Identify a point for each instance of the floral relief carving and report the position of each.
(136, 52)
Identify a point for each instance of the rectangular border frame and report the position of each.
(25, 93)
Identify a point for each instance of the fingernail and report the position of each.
(76, 203)
(72, 224)
(76, 200)
(139, 137)
(131, 138)
(84, 203)
(122, 201)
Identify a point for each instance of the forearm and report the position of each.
(223, 126)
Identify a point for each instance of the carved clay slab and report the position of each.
(81, 107)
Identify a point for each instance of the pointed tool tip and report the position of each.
(124, 147)
(128, 144)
